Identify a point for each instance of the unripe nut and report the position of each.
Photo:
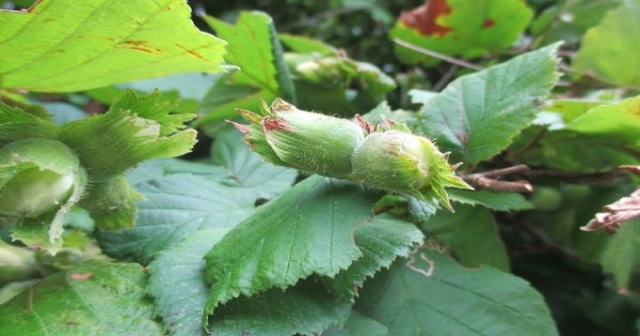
(394, 161)
(38, 176)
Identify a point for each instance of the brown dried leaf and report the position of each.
(615, 214)
(632, 169)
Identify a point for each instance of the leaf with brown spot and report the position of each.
(460, 28)
(425, 17)
(67, 45)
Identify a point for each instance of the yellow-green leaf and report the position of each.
(66, 45)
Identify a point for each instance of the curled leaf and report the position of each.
(616, 214)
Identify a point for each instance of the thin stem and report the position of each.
(530, 145)
(446, 78)
(488, 180)
(438, 55)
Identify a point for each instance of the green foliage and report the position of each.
(63, 46)
(104, 231)
(497, 104)
(94, 296)
(426, 290)
(604, 50)
(254, 47)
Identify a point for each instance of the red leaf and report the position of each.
(424, 18)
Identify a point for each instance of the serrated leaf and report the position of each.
(176, 205)
(460, 27)
(307, 230)
(424, 294)
(477, 115)
(357, 325)
(254, 47)
(381, 241)
(492, 200)
(472, 234)
(136, 128)
(246, 169)
(91, 299)
(65, 45)
(304, 309)
(177, 282)
(604, 50)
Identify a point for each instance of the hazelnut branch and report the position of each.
(489, 180)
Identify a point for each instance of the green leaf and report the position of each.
(157, 168)
(569, 20)
(604, 50)
(572, 151)
(176, 205)
(492, 200)
(460, 27)
(472, 234)
(254, 47)
(431, 293)
(562, 111)
(177, 282)
(304, 309)
(381, 241)
(65, 45)
(225, 96)
(92, 299)
(357, 325)
(477, 115)
(136, 128)
(616, 123)
(618, 254)
(246, 169)
(600, 139)
(307, 230)
(303, 44)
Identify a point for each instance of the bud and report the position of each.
(37, 176)
(303, 140)
(398, 161)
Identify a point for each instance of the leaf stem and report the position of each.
(438, 55)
